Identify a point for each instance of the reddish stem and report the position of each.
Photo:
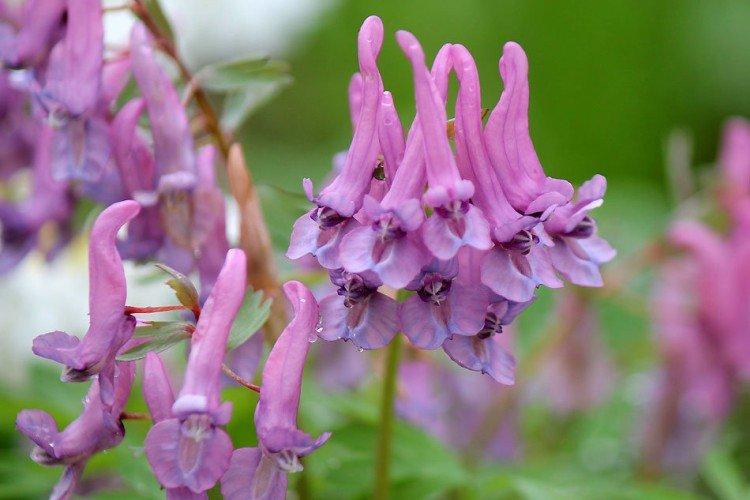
(134, 415)
(155, 309)
(231, 374)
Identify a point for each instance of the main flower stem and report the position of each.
(387, 418)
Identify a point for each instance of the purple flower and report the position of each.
(50, 201)
(358, 312)
(575, 249)
(96, 429)
(389, 243)
(484, 353)
(456, 221)
(261, 472)
(190, 449)
(509, 145)
(516, 265)
(319, 231)
(157, 391)
(40, 22)
(442, 306)
(109, 328)
(734, 160)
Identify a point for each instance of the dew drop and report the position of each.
(312, 339)
(359, 349)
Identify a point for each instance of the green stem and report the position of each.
(385, 438)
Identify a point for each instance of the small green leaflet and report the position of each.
(162, 334)
(239, 104)
(183, 287)
(229, 76)
(251, 316)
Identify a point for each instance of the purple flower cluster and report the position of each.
(59, 99)
(472, 229)
(702, 319)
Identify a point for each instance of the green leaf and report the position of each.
(161, 328)
(156, 344)
(228, 76)
(251, 316)
(723, 475)
(184, 289)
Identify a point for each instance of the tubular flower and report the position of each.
(456, 221)
(260, 472)
(110, 328)
(96, 429)
(319, 232)
(190, 449)
(517, 264)
(39, 23)
(509, 145)
(388, 243)
(157, 391)
(358, 312)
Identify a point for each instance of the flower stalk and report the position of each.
(387, 420)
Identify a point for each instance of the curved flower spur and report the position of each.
(109, 328)
(260, 472)
(190, 449)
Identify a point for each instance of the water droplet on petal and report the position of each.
(359, 349)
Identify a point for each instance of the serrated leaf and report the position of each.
(156, 344)
(161, 328)
(228, 76)
(183, 288)
(251, 316)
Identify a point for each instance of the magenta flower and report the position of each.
(260, 472)
(319, 232)
(456, 221)
(109, 328)
(157, 391)
(517, 264)
(575, 249)
(389, 243)
(40, 22)
(96, 429)
(734, 160)
(190, 449)
(526, 186)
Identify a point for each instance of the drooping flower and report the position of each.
(39, 23)
(157, 391)
(358, 311)
(389, 243)
(319, 232)
(97, 428)
(109, 327)
(456, 222)
(260, 472)
(190, 449)
(517, 264)
(570, 233)
(526, 185)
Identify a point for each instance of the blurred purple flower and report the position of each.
(261, 472)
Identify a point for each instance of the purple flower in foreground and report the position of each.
(509, 145)
(389, 243)
(319, 231)
(39, 22)
(442, 306)
(109, 328)
(190, 449)
(260, 472)
(517, 264)
(575, 249)
(358, 312)
(96, 429)
(734, 160)
(157, 391)
(456, 221)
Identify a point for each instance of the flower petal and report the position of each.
(482, 355)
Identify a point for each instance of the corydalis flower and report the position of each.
(516, 265)
(190, 449)
(389, 243)
(319, 232)
(261, 472)
(358, 312)
(39, 23)
(575, 249)
(109, 328)
(509, 145)
(456, 221)
(96, 429)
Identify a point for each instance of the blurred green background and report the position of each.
(609, 81)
